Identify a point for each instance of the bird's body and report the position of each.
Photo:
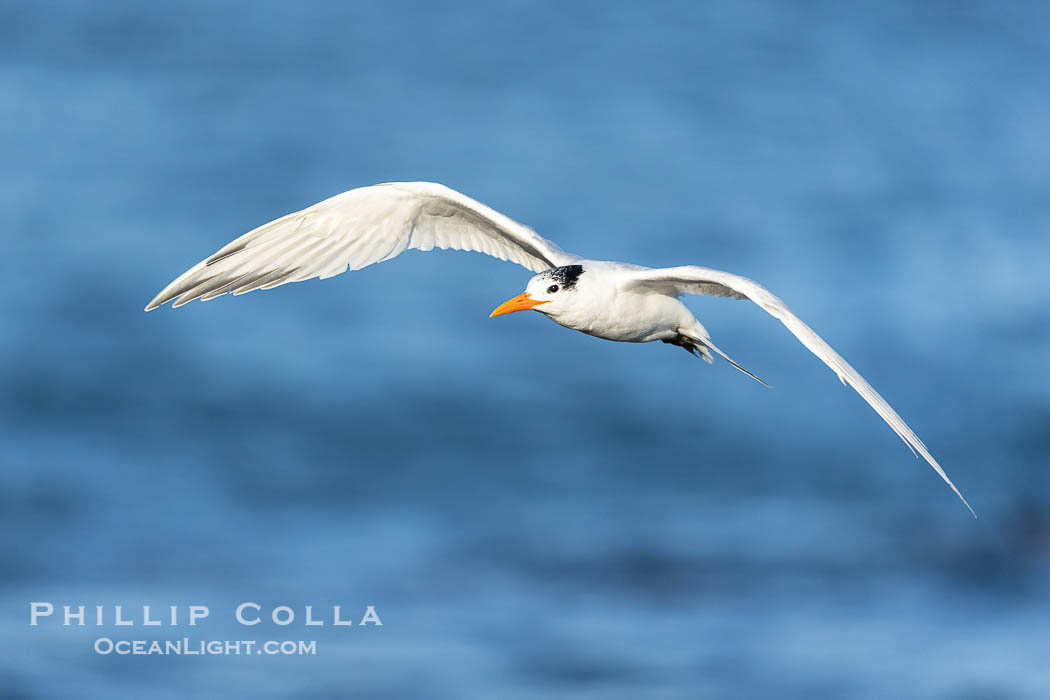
(606, 309)
(610, 300)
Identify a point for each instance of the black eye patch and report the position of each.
(566, 275)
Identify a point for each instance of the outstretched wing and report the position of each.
(358, 228)
(690, 279)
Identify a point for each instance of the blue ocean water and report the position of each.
(532, 512)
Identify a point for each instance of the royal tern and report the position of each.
(610, 300)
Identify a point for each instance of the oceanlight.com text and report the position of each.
(214, 647)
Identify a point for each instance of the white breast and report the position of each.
(602, 308)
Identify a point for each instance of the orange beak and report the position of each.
(518, 303)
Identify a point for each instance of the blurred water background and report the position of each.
(533, 512)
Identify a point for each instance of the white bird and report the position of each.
(610, 300)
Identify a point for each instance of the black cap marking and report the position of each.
(566, 275)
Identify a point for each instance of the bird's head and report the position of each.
(548, 292)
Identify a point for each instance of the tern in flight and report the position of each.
(610, 300)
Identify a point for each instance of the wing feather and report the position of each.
(356, 229)
(690, 279)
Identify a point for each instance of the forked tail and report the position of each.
(731, 361)
(701, 348)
